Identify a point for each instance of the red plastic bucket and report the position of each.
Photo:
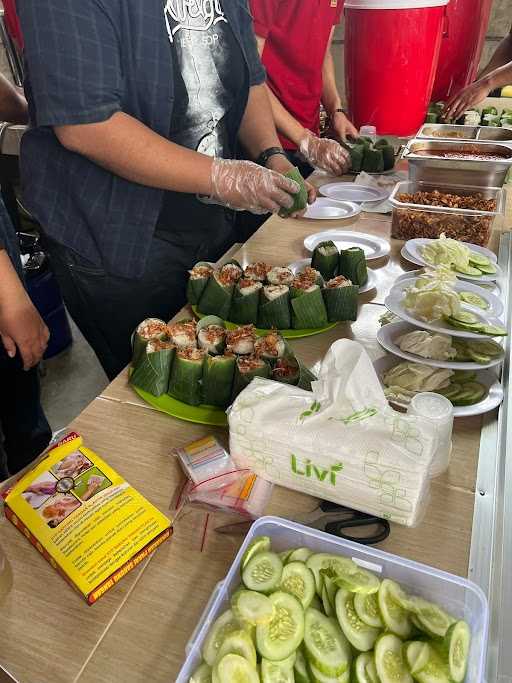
(461, 47)
(391, 54)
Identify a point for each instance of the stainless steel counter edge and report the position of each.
(491, 544)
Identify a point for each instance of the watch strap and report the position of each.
(267, 153)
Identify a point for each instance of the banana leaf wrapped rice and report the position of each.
(183, 334)
(326, 259)
(246, 301)
(151, 329)
(287, 371)
(280, 276)
(247, 368)
(218, 374)
(256, 271)
(211, 335)
(218, 293)
(353, 266)
(274, 308)
(198, 279)
(241, 341)
(271, 347)
(340, 297)
(153, 368)
(308, 308)
(185, 382)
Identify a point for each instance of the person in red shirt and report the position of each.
(294, 39)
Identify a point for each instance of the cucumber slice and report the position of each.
(328, 608)
(300, 668)
(371, 671)
(203, 674)
(236, 669)
(364, 669)
(489, 269)
(389, 660)
(467, 327)
(465, 317)
(260, 544)
(471, 393)
(360, 635)
(394, 616)
(320, 561)
(252, 607)
(278, 639)
(431, 617)
(494, 330)
(226, 624)
(462, 350)
(486, 347)
(263, 572)
(477, 259)
(331, 587)
(450, 391)
(285, 554)
(463, 376)
(326, 646)
(355, 579)
(316, 604)
(319, 677)
(277, 672)
(238, 643)
(367, 609)
(417, 655)
(299, 581)
(435, 671)
(468, 270)
(473, 300)
(477, 357)
(300, 555)
(456, 645)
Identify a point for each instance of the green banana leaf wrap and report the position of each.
(197, 281)
(218, 375)
(257, 271)
(212, 338)
(247, 368)
(300, 200)
(326, 259)
(186, 375)
(388, 154)
(217, 296)
(271, 347)
(151, 329)
(306, 377)
(182, 334)
(308, 308)
(353, 266)
(244, 307)
(274, 310)
(286, 371)
(356, 158)
(340, 300)
(373, 160)
(153, 369)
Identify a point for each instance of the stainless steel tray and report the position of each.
(446, 131)
(425, 165)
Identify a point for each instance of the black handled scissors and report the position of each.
(333, 519)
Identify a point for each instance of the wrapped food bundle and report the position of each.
(340, 297)
(268, 296)
(371, 157)
(353, 265)
(151, 329)
(205, 364)
(199, 276)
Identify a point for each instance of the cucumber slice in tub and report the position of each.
(463, 376)
(468, 270)
(300, 555)
(259, 545)
(278, 672)
(389, 660)
(238, 643)
(203, 674)
(320, 561)
(298, 580)
(465, 317)
(477, 259)
(316, 603)
(367, 609)
(330, 586)
(300, 668)
(252, 607)
(363, 668)
(486, 347)
(471, 393)
(431, 617)
(394, 616)
(494, 330)
(278, 639)
(473, 300)
(263, 572)
(417, 654)
(360, 635)
(456, 645)
(355, 579)
(319, 677)
(285, 554)
(371, 671)
(489, 269)
(233, 669)
(435, 671)
(227, 623)
(326, 646)
(328, 608)
(450, 391)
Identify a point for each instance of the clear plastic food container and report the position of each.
(412, 220)
(459, 596)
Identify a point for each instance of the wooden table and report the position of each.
(139, 631)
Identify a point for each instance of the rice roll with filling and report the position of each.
(218, 375)
(308, 308)
(280, 276)
(353, 265)
(340, 297)
(151, 329)
(186, 375)
(274, 308)
(312, 274)
(246, 301)
(271, 347)
(197, 281)
(241, 341)
(232, 270)
(218, 293)
(247, 368)
(154, 367)
(326, 259)
(287, 371)
(212, 339)
(183, 334)
(256, 271)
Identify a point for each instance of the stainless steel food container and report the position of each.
(425, 166)
(446, 131)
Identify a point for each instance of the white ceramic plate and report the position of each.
(373, 247)
(325, 209)
(413, 254)
(491, 287)
(388, 334)
(298, 266)
(495, 305)
(394, 303)
(415, 246)
(486, 377)
(349, 192)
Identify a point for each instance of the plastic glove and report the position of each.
(328, 155)
(245, 186)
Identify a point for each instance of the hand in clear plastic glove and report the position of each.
(327, 155)
(245, 186)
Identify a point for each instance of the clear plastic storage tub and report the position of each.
(459, 596)
(411, 220)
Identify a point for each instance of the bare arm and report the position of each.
(13, 105)
(331, 98)
(502, 55)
